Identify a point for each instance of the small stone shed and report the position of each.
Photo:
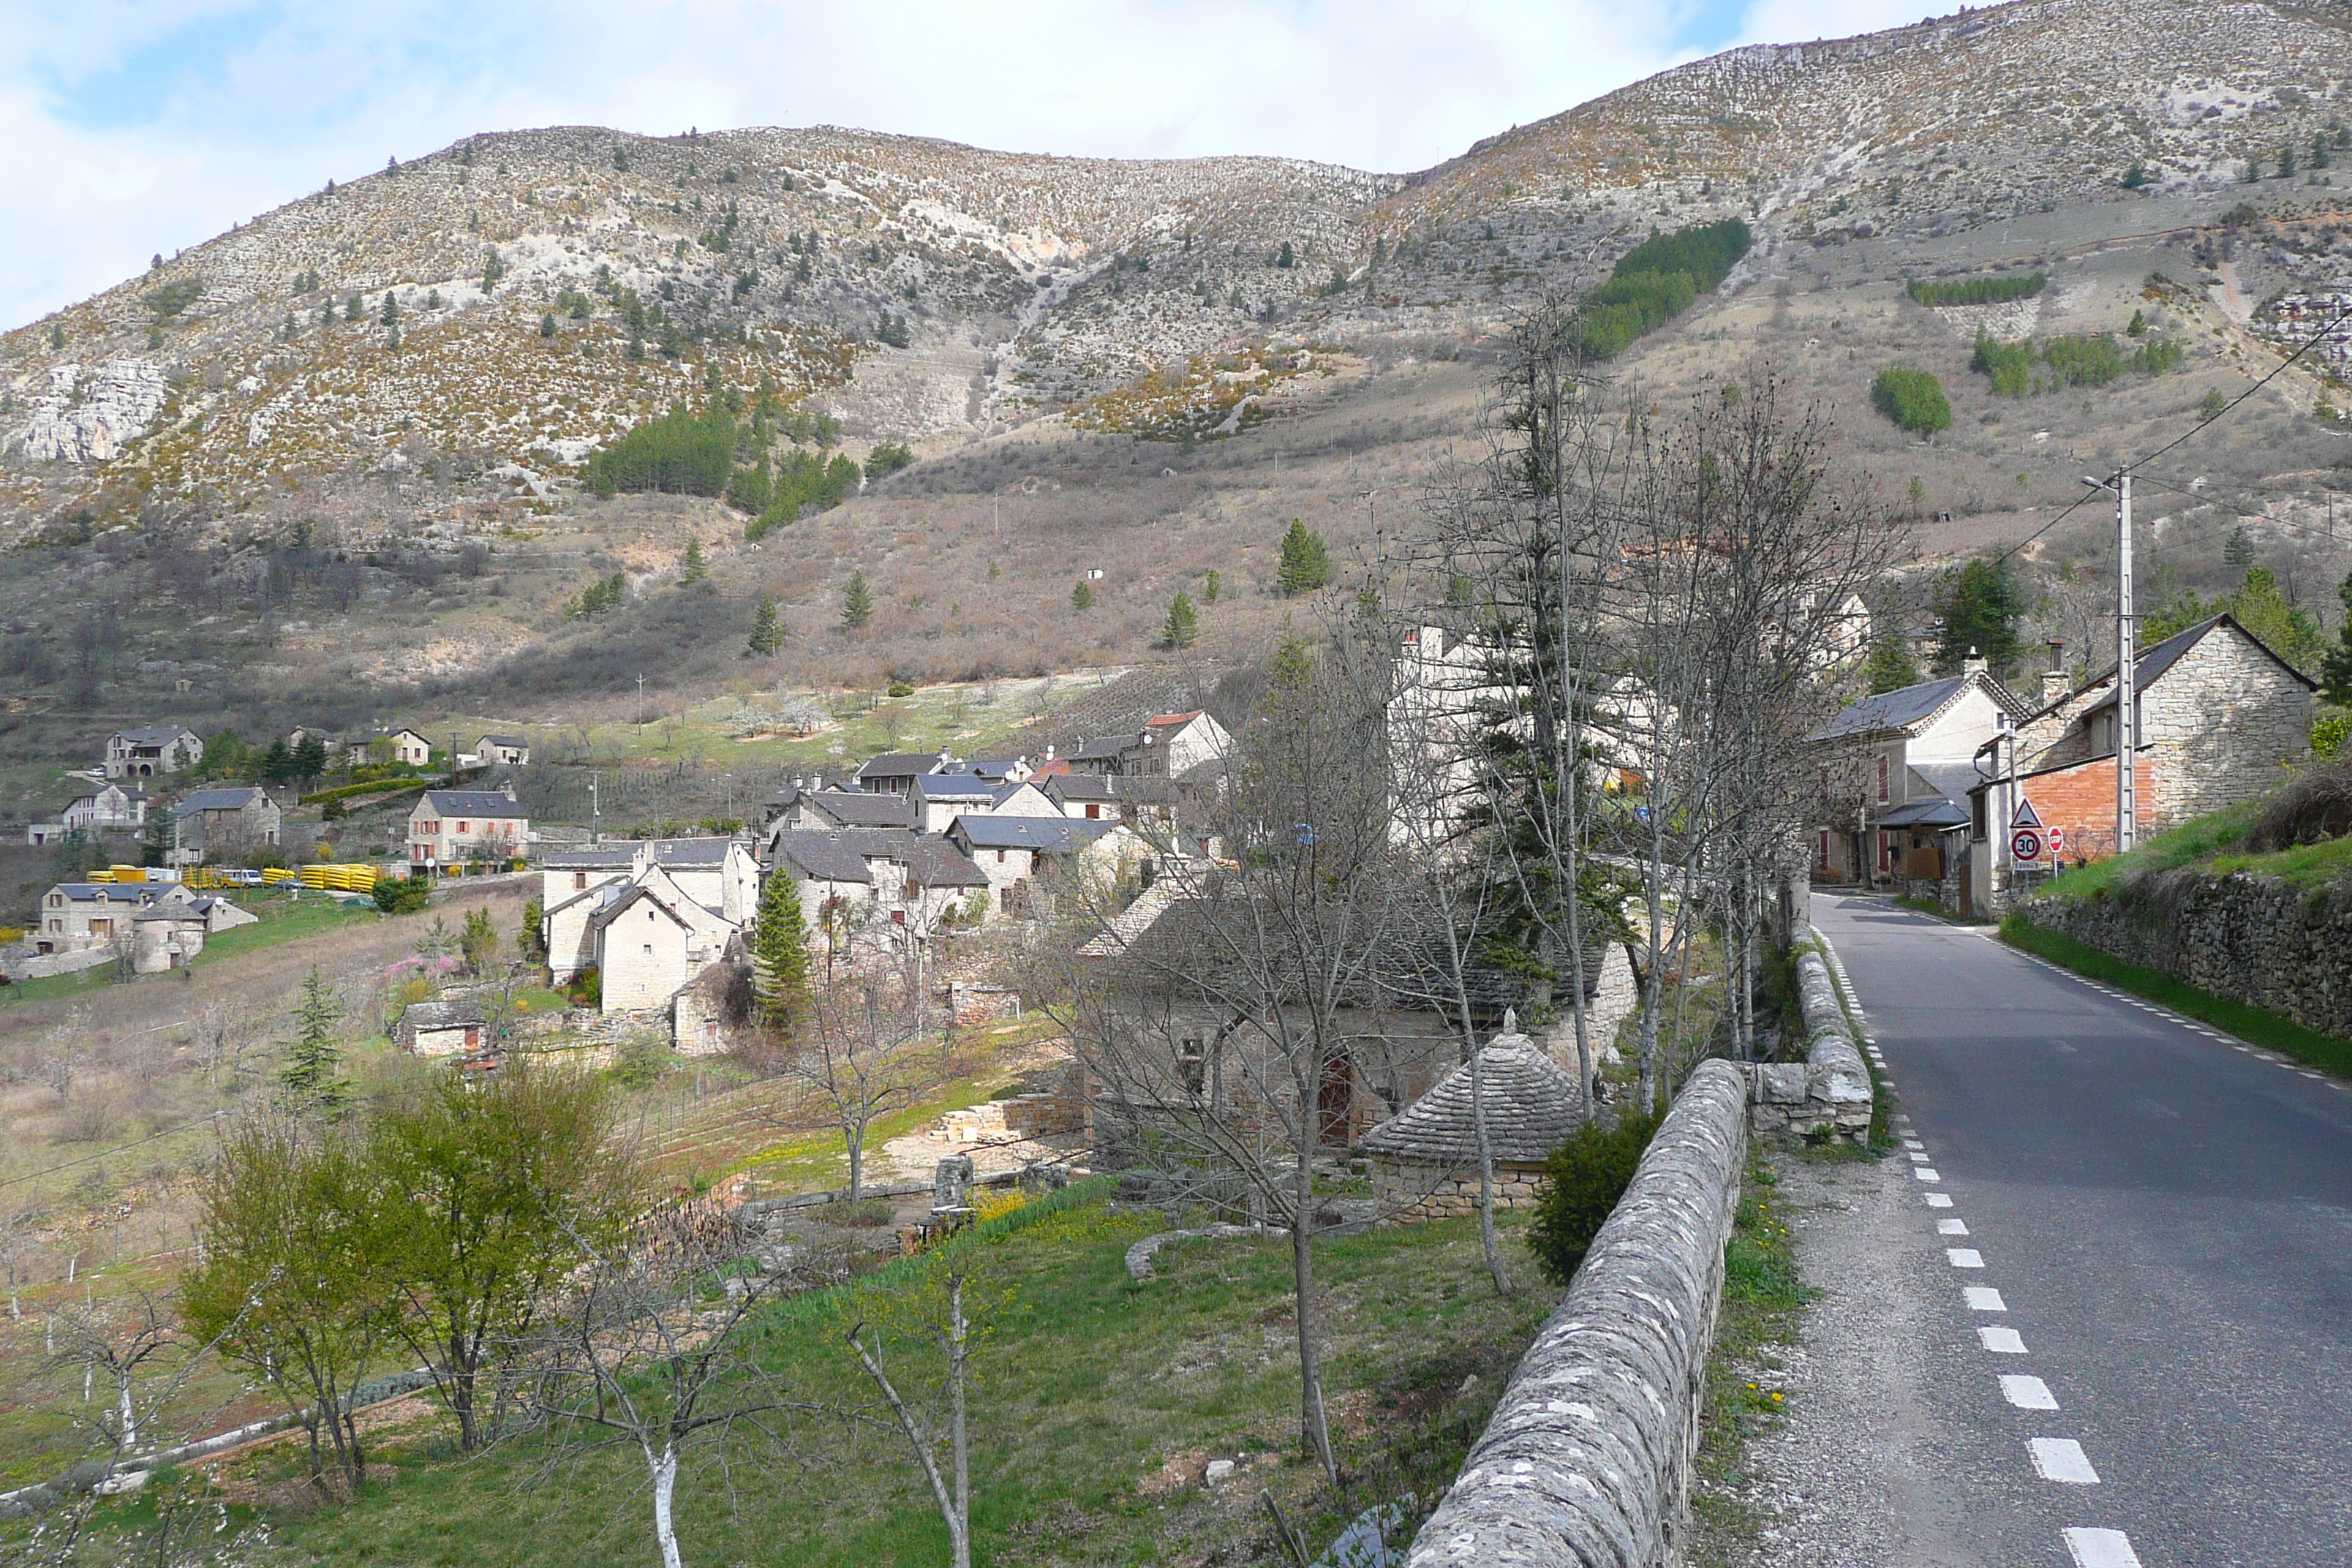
(1425, 1160)
(453, 1027)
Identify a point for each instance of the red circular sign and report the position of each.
(2025, 843)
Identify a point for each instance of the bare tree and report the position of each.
(647, 1354)
(861, 1055)
(1220, 1015)
(944, 1320)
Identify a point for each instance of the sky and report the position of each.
(140, 126)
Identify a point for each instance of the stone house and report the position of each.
(1425, 1160)
(1013, 850)
(2218, 716)
(652, 940)
(502, 751)
(868, 885)
(109, 808)
(1895, 769)
(217, 826)
(152, 752)
(381, 746)
(836, 808)
(161, 925)
(447, 826)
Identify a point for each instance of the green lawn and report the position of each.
(285, 917)
(1085, 1384)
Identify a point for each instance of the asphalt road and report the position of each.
(2164, 1217)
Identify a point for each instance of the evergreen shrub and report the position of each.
(1582, 1180)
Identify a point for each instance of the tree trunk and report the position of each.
(1315, 1428)
(1487, 1242)
(853, 1137)
(665, 1474)
(958, 1527)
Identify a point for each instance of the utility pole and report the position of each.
(641, 701)
(2126, 652)
(596, 814)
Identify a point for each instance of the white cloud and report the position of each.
(138, 125)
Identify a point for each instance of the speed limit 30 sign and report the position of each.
(2025, 843)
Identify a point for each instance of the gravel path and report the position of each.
(1859, 1474)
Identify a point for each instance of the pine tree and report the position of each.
(309, 760)
(2336, 670)
(390, 316)
(1082, 597)
(2239, 550)
(1891, 667)
(1183, 624)
(1306, 561)
(1978, 610)
(311, 1067)
(766, 628)
(1211, 586)
(547, 324)
(353, 308)
(780, 955)
(695, 572)
(856, 602)
(276, 764)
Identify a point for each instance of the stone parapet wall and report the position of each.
(1406, 1192)
(20, 963)
(1826, 1098)
(2263, 943)
(1587, 1460)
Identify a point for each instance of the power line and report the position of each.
(2216, 417)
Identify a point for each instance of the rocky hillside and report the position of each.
(337, 452)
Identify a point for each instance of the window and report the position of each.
(1093, 813)
(1882, 779)
(579, 880)
(1825, 849)
(1000, 856)
(649, 950)
(462, 826)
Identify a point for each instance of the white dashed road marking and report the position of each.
(2061, 1459)
(1939, 1199)
(1952, 1227)
(1925, 1175)
(2027, 1393)
(2001, 1342)
(1919, 1158)
(1983, 1299)
(1965, 1257)
(2101, 1549)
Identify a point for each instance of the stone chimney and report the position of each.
(2054, 679)
(1974, 664)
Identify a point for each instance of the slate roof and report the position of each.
(899, 766)
(1102, 749)
(596, 858)
(519, 742)
(456, 1013)
(936, 863)
(232, 799)
(489, 803)
(1079, 787)
(1897, 709)
(114, 892)
(1046, 835)
(814, 852)
(690, 851)
(154, 735)
(858, 808)
(1530, 1104)
(1938, 813)
(2154, 661)
(953, 787)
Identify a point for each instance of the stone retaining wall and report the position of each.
(1407, 1190)
(2263, 943)
(1826, 1098)
(1587, 1460)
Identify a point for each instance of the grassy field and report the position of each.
(1096, 1400)
(2212, 843)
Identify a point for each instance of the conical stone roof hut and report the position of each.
(1424, 1160)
